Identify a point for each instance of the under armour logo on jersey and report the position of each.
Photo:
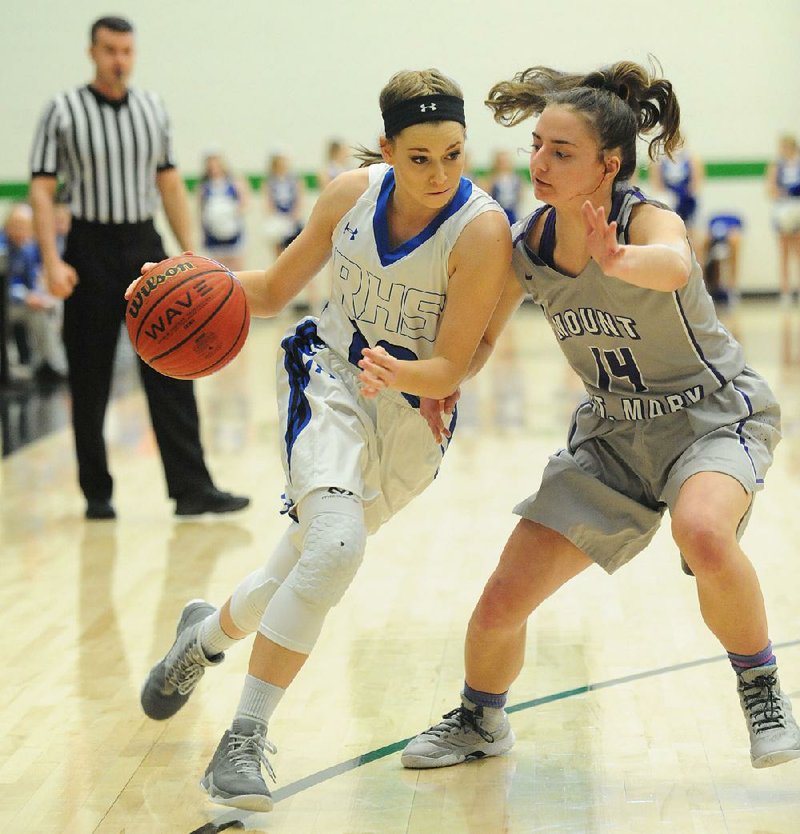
(424, 107)
(353, 232)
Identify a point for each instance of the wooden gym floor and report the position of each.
(626, 712)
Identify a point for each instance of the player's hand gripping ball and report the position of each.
(187, 317)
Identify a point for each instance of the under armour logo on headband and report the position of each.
(432, 107)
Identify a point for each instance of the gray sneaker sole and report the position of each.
(772, 759)
(245, 801)
(420, 762)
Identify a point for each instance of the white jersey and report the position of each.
(392, 297)
(640, 353)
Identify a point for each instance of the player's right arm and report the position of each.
(269, 291)
(60, 277)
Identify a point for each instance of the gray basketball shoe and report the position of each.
(463, 736)
(172, 679)
(233, 777)
(774, 734)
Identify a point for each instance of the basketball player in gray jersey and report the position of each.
(674, 418)
(419, 260)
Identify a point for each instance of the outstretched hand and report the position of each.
(378, 371)
(601, 238)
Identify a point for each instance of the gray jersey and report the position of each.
(640, 353)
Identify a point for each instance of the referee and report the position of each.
(112, 147)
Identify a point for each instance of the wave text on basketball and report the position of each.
(144, 289)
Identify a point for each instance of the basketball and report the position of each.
(188, 317)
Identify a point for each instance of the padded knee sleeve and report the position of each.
(334, 537)
(253, 594)
(333, 548)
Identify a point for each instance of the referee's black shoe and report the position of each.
(100, 509)
(210, 500)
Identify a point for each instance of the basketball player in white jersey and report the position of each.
(674, 418)
(420, 256)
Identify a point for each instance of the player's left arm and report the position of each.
(432, 410)
(478, 266)
(175, 199)
(658, 256)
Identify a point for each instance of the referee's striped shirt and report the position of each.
(106, 152)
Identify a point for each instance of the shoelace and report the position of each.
(458, 719)
(760, 699)
(187, 669)
(247, 754)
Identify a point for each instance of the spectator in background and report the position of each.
(35, 315)
(284, 191)
(783, 184)
(680, 178)
(721, 257)
(337, 160)
(505, 184)
(223, 200)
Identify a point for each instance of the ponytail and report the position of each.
(621, 102)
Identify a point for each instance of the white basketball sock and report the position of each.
(258, 700)
(213, 639)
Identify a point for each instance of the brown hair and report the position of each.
(620, 102)
(404, 85)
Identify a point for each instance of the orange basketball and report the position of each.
(188, 317)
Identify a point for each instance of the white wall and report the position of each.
(252, 76)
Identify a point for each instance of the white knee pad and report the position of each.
(333, 548)
(334, 537)
(253, 594)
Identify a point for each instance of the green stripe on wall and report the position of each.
(13, 190)
(726, 170)
(714, 170)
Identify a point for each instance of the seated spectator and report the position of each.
(34, 314)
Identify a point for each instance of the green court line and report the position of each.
(395, 747)
(320, 776)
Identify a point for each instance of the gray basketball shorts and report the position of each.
(608, 490)
(380, 449)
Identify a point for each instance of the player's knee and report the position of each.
(333, 549)
(705, 545)
(497, 609)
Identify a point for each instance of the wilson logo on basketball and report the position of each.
(188, 319)
(146, 287)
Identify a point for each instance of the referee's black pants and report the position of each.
(107, 258)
